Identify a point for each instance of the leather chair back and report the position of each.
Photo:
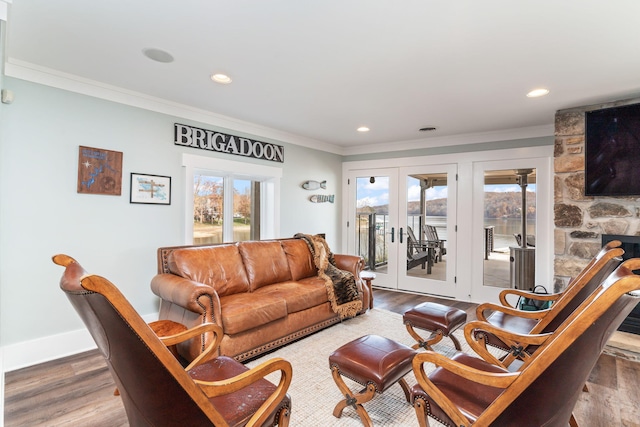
(138, 361)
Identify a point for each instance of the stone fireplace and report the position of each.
(580, 221)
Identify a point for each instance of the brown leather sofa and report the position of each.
(264, 294)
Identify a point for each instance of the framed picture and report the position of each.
(150, 189)
(99, 171)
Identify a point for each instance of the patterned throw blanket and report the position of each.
(341, 285)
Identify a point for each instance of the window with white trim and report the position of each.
(230, 201)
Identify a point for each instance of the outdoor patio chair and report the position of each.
(155, 389)
(516, 322)
(468, 391)
(418, 253)
(431, 234)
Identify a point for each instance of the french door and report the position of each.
(427, 220)
(402, 221)
(373, 222)
(511, 206)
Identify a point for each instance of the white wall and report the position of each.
(41, 213)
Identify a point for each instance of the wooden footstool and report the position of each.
(440, 320)
(374, 362)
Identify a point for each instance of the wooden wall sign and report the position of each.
(99, 171)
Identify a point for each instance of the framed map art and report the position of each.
(150, 189)
(99, 171)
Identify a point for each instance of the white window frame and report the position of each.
(268, 176)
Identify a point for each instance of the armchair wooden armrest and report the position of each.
(482, 308)
(209, 352)
(517, 342)
(526, 294)
(493, 379)
(219, 388)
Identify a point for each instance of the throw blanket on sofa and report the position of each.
(341, 285)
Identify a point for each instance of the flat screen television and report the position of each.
(612, 151)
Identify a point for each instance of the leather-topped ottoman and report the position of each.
(374, 362)
(441, 320)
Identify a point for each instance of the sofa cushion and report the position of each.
(241, 312)
(220, 267)
(300, 295)
(265, 263)
(300, 259)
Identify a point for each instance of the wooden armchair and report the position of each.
(418, 253)
(156, 390)
(466, 390)
(516, 323)
(431, 233)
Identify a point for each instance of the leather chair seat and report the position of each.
(472, 398)
(237, 408)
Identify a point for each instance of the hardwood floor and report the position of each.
(78, 390)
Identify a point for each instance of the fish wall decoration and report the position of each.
(314, 185)
(321, 198)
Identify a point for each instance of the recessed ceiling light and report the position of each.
(427, 129)
(221, 78)
(363, 129)
(158, 55)
(537, 92)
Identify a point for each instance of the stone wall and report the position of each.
(580, 220)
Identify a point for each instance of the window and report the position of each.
(230, 201)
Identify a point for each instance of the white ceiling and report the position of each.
(318, 69)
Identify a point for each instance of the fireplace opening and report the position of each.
(631, 247)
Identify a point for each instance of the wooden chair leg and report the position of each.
(405, 388)
(573, 422)
(283, 419)
(421, 412)
(426, 344)
(353, 400)
(456, 343)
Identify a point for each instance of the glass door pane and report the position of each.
(427, 225)
(374, 212)
(508, 193)
(428, 201)
(372, 221)
(242, 210)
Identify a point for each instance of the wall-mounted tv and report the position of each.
(612, 151)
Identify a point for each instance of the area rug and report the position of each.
(313, 392)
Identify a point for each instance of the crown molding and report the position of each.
(49, 77)
(451, 140)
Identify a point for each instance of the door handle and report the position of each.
(393, 234)
(400, 234)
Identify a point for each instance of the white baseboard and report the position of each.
(1, 388)
(45, 349)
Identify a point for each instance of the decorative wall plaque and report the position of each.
(150, 189)
(99, 171)
(203, 139)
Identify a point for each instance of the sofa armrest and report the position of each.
(355, 264)
(188, 294)
(350, 263)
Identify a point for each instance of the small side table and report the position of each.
(368, 277)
